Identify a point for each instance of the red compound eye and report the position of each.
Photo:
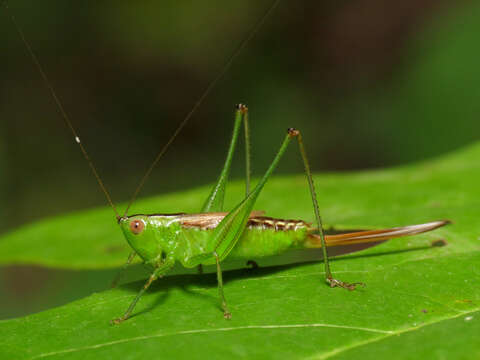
(137, 226)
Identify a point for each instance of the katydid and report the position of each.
(212, 235)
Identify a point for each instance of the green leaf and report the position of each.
(419, 299)
(427, 304)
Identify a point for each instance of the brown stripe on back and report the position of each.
(206, 221)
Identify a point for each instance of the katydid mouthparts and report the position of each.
(212, 235)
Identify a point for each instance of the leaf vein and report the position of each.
(200, 331)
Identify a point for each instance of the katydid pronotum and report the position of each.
(212, 235)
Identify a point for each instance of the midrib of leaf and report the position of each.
(385, 334)
(198, 331)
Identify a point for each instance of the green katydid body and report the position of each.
(183, 237)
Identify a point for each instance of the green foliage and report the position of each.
(420, 301)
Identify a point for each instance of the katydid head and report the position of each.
(140, 235)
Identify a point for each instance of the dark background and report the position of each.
(370, 83)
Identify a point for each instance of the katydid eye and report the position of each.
(137, 226)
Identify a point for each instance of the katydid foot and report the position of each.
(337, 283)
(226, 313)
(118, 321)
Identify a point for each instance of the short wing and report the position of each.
(209, 220)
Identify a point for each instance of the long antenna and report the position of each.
(207, 91)
(65, 117)
(163, 150)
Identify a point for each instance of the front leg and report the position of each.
(159, 271)
(122, 270)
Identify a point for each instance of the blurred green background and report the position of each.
(370, 83)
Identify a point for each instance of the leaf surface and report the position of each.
(407, 305)
(416, 294)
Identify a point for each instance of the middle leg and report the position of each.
(226, 313)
